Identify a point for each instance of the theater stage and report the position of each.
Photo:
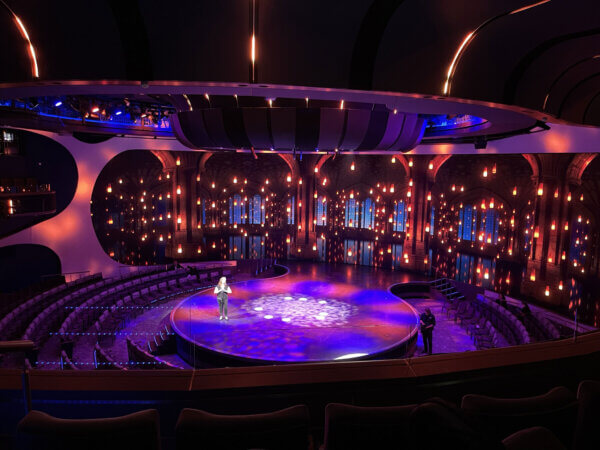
(315, 312)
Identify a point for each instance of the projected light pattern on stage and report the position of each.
(301, 310)
(297, 318)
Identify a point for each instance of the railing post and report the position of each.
(26, 389)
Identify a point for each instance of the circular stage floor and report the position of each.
(313, 313)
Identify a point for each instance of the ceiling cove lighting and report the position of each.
(469, 38)
(32, 55)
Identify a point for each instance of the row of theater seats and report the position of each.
(537, 325)
(506, 321)
(124, 295)
(493, 325)
(17, 313)
(143, 359)
(556, 420)
(129, 302)
(50, 318)
(15, 323)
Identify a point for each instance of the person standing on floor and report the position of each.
(427, 321)
(222, 289)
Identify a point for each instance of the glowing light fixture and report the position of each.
(469, 38)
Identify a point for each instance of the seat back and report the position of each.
(586, 434)
(38, 430)
(357, 427)
(285, 429)
(555, 410)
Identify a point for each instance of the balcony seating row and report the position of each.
(555, 420)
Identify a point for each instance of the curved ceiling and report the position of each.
(382, 45)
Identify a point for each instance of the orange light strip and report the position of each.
(467, 40)
(524, 8)
(32, 55)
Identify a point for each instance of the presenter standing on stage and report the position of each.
(222, 289)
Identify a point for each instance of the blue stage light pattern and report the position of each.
(298, 317)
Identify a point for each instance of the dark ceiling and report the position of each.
(540, 58)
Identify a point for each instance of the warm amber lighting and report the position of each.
(540, 190)
(452, 66)
(547, 291)
(352, 166)
(32, 55)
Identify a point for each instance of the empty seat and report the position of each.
(285, 429)
(358, 427)
(586, 434)
(555, 410)
(40, 431)
(535, 438)
(437, 424)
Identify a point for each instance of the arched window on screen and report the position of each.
(368, 214)
(351, 218)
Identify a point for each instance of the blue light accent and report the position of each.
(58, 103)
(400, 216)
(118, 113)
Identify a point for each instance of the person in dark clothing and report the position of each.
(427, 321)
(502, 302)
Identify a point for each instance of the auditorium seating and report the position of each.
(47, 306)
(544, 422)
(104, 294)
(348, 426)
(500, 417)
(140, 358)
(587, 436)
(103, 360)
(13, 320)
(40, 431)
(285, 429)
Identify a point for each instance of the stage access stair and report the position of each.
(452, 297)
